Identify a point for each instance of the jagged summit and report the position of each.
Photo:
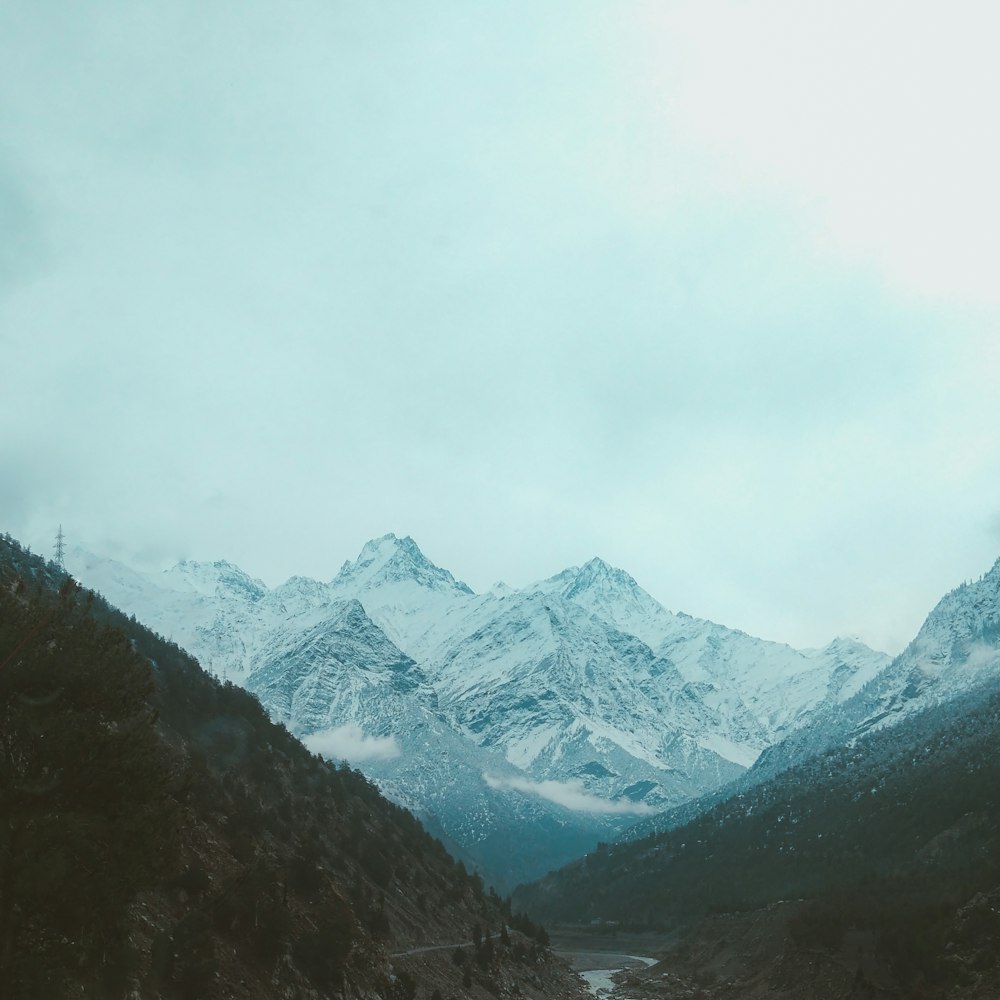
(351, 614)
(596, 580)
(390, 559)
(597, 575)
(612, 595)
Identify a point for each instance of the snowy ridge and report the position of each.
(567, 697)
(956, 650)
(403, 591)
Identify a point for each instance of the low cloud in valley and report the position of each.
(570, 794)
(349, 742)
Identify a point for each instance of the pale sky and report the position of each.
(708, 289)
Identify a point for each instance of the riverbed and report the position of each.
(598, 968)
(601, 981)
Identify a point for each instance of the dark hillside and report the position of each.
(160, 837)
(889, 849)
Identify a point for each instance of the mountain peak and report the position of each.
(390, 559)
(597, 575)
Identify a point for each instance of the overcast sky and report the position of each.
(707, 289)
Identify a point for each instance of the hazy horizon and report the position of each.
(155, 566)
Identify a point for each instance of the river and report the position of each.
(601, 982)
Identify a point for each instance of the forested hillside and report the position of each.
(161, 836)
(882, 858)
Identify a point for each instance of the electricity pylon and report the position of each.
(60, 548)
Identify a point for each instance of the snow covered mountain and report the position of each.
(957, 647)
(325, 669)
(341, 685)
(763, 688)
(956, 650)
(566, 697)
(556, 714)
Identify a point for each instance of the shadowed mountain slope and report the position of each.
(163, 837)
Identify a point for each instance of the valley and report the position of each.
(852, 853)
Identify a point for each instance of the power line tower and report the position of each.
(60, 548)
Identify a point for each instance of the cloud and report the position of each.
(22, 251)
(872, 155)
(349, 742)
(647, 294)
(569, 794)
(982, 656)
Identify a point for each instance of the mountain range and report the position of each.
(802, 822)
(521, 725)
